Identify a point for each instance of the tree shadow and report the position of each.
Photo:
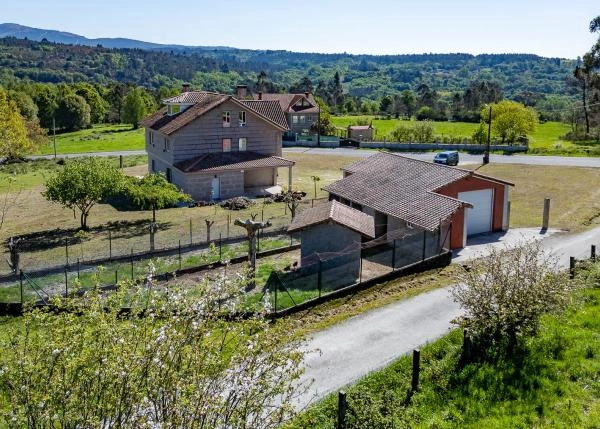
(59, 237)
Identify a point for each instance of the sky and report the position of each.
(549, 28)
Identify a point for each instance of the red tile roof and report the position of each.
(339, 213)
(402, 187)
(288, 101)
(219, 161)
(203, 103)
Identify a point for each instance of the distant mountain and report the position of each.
(38, 34)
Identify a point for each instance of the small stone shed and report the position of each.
(361, 132)
(332, 233)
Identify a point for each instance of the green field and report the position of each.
(99, 138)
(545, 139)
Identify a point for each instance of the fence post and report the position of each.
(593, 253)
(78, 267)
(66, 283)
(116, 277)
(21, 284)
(319, 277)
(67, 250)
(121, 162)
(109, 245)
(132, 264)
(546, 215)
(571, 267)
(467, 345)
(416, 368)
(342, 407)
(180, 254)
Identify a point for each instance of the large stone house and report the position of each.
(405, 196)
(215, 146)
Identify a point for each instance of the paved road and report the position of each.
(370, 341)
(464, 158)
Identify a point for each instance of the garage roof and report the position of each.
(403, 187)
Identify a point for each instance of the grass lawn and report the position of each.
(99, 138)
(545, 139)
(552, 383)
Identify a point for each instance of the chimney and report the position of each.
(306, 94)
(241, 91)
(260, 95)
(185, 87)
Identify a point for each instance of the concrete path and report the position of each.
(343, 353)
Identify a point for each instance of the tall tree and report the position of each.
(511, 120)
(73, 112)
(134, 108)
(82, 183)
(14, 143)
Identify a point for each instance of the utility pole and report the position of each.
(54, 135)
(486, 155)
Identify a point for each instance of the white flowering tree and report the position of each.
(182, 362)
(505, 293)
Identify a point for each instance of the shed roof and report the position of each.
(338, 213)
(403, 187)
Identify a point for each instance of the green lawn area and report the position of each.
(545, 139)
(99, 138)
(553, 382)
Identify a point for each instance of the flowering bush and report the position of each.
(176, 361)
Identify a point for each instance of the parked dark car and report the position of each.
(449, 157)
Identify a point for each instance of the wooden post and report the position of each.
(319, 277)
(67, 250)
(21, 284)
(121, 161)
(467, 346)
(342, 408)
(416, 368)
(132, 264)
(116, 277)
(546, 218)
(66, 283)
(593, 253)
(572, 267)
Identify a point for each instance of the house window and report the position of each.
(173, 109)
(242, 118)
(167, 145)
(151, 137)
(302, 119)
(295, 119)
(226, 119)
(226, 145)
(242, 143)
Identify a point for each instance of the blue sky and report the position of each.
(552, 28)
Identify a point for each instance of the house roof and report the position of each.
(288, 102)
(403, 187)
(335, 212)
(205, 102)
(219, 161)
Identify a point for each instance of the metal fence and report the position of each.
(325, 273)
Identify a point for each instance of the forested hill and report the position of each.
(220, 69)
